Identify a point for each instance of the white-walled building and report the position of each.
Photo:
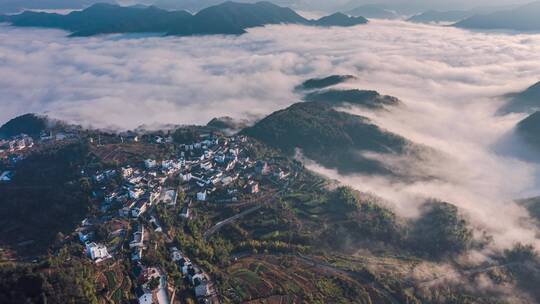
(97, 251)
(201, 196)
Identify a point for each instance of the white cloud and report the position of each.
(447, 77)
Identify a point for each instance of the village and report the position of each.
(212, 169)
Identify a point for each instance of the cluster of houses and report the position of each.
(197, 278)
(141, 187)
(16, 143)
(221, 170)
(213, 169)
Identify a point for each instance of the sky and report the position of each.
(406, 6)
(450, 81)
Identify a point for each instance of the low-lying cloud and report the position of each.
(448, 79)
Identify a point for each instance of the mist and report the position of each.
(449, 80)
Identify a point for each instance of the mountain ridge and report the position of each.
(527, 101)
(229, 18)
(523, 18)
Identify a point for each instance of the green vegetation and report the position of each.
(29, 124)
(46, 188)
(63, 278)
(440, 231)
(320, 83)
(366, 99)
(333, 139)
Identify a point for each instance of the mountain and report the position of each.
(320, 83)
(366, 99)
(16, 6)
(433, 16)
(332, 138)
(529, 129)
(226, 18)
(523, 18)
(29, 124)
(234, 18)
(227, 123)
(527, 101)
(197, 5)
(339, 19)
(373, 11)
(105, 18)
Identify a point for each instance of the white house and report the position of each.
(138, 237)
(127, 172)
(176, 255)
(186, 177)
(95, 251)
(186, 212)
(85, 236)
(150, 163)
(139, 208)
(144, 297)
(135, 193)
(6, 176)
(253, 187)
(201, 196)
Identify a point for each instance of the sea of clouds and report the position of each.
(449, 80)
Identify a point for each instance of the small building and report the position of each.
(6, 176)
(127, 172)
(261, 167)
(150, 163)
(139, 208)
(201, 196)
(85, 236)
(143, 297)
(136, 193)
(138, 237)
(136, 254)
(97, 252)
(186, 212)
(176, 255)
(253, 187)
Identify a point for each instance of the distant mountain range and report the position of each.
(320, 83)
(522, 18)
(527, 101)
(440, 16)
(226, 18)
(373, 11)
(16, 6)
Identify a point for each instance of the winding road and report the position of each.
(220, 225)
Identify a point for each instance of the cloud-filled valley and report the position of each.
(449, 80)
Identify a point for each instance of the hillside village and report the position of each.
(212, 168)
(194, 216)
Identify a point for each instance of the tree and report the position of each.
(153, 284)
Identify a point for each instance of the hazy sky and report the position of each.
(404, 6)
